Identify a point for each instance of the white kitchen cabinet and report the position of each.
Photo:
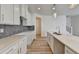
(23, 10)
(16, 14)
(50, 41)
(29, 19)
(26, 8)
(30, 36)
(23, 46)
(59, 48)
(7, 14)
(17, 48)
(27, 15)
(56, 46)
(23, 14)
(69, 51)
(0, 14)
(13, 49)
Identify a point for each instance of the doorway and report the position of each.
(38, 26)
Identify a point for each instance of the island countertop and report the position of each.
(68, 40)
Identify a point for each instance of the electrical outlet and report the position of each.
(1, 30)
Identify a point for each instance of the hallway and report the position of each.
(39, 46)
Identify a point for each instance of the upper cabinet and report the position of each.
(29, 20)
(23, 10)
(6, 14)
(16, 14)
(26, 14)
(10, 14)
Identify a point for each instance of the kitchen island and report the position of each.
(63, 44)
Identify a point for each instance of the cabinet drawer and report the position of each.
(69, 51)
(8, 51)
(13, 49)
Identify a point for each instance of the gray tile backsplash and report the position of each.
(14, 29)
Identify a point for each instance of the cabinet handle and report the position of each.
(20, 50)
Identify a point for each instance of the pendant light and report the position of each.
(54, 9)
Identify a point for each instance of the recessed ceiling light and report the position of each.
(38, 8)
(53, 8)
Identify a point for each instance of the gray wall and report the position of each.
(75, 25)
(14, 29)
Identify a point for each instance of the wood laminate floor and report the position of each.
(39, 46)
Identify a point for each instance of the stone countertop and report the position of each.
(68, 40)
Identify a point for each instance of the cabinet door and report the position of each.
(0, 14)
(23, 10)
(7, 14)
(29, 19)
(50, 40)
(22, 46)
(26, 8)
(13, 49)
(58, 47)
(16, 14)
(52, 43)
(69, 51)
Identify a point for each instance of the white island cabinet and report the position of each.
(56, 46)
(63, 44)
(69, 51)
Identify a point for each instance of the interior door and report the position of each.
(38, 26)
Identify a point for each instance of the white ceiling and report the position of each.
(46, 9)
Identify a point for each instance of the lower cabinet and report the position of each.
(13, 49)
(50, 41)
(69, 51)
(56, 46)
(19, 47)
(30, 38)
(23, 46)
(59, 48)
